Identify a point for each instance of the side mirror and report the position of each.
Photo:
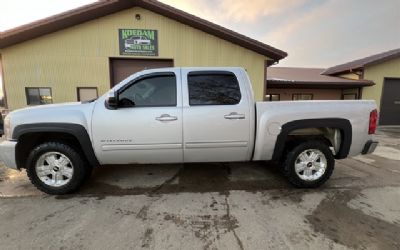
(112, 100)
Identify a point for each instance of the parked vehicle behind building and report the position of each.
(175, 115)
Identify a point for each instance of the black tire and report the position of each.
(291, 157)
(81, 170)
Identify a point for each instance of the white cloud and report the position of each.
(195, 7)
(18, 12)
(314, 33)
(235, 10)
(251, 11)
(338, 31)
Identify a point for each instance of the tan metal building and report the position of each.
(375, 77)
(81, 53)
(286, 83)
(384, 70)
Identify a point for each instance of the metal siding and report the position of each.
(78, 56)
(377, 73)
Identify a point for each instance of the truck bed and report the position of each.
(271, 116)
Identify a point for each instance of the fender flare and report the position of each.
(343, 125)
(76, 130)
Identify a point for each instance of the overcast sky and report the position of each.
(315, 33)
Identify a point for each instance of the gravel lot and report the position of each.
(211, 206)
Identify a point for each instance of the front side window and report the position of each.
(302, 97)
(213, 88)
(151, 91)
(38, 96)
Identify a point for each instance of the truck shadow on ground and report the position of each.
(192, 178)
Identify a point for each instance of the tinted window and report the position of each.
(213, 89)
(154, 91)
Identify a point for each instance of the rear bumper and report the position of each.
(369, 147)
(7, 153)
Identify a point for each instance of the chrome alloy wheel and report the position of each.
(54, 169)
(310, 165)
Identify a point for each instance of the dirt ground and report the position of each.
(211, 206)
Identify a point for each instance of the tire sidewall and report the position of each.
(291, 159)
(78, 166)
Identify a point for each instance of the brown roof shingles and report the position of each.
(106, 7)
(361, 63)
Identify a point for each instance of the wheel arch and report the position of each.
(343, 125)
(55, 131)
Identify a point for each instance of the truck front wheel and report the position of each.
(56, 168)
(309, 164)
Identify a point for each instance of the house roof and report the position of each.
(285, 77)
(106, 7)
(361, 63)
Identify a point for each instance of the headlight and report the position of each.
(7, 128)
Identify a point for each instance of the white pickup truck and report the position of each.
(176, 115)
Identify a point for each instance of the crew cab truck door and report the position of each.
(146, 127)
(216, 117)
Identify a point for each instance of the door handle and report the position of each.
(234, 116)
(166, 118)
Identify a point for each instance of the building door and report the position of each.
(390, 102)
(122, 68)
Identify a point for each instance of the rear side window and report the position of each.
(213, 88)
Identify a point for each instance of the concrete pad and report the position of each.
(388, 152)
(383, 203)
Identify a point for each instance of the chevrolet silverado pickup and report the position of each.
(183, 115)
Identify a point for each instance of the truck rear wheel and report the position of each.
(309, 164)
(56, 168)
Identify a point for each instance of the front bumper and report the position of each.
(369, 147)
(7, 153)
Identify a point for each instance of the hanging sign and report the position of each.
(138, 42)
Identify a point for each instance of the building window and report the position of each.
(300, 97)
(86, 93)
(213, 88)
(352, 96)
(38, 96)
(272, 97)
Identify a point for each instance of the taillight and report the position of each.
(373, 121)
